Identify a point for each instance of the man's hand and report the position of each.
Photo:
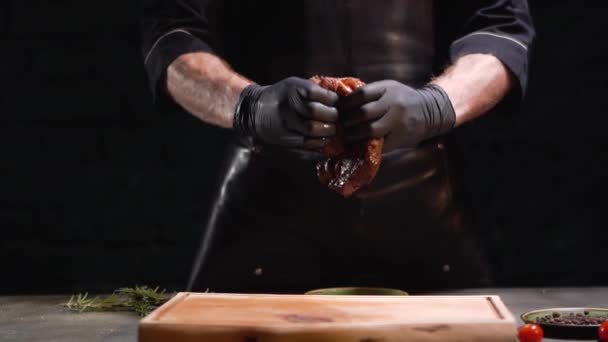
(403, 115)
(293, 112)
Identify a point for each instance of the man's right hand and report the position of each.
(293, 112)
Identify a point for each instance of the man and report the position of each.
(244, 65)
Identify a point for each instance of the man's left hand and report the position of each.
(404, 116)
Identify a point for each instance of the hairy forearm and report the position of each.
(204, 85)
(475, 84)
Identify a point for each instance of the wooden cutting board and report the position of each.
(277, 318)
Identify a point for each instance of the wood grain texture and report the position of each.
(277, 318)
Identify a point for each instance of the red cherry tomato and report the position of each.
(603, 332)
(530, 333)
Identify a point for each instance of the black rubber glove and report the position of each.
(403, 115)
(293, 112)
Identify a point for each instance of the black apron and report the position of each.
(273, 226)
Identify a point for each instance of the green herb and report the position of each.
(82, 302)
(143, 299)
(139, 299)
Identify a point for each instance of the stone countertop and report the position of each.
(42, 318)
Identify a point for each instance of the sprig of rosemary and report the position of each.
(82, 303)
(143, 299)
(139, 299)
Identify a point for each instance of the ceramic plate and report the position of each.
(358, 291)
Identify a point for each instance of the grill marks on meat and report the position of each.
(347, 167)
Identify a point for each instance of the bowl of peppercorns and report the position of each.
(568, 323)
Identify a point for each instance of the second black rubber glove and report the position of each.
(403, 115)
(293, 112)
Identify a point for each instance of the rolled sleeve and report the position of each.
(504, 29)
(169, 30)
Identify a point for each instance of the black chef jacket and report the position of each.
(380, 238)
(502, 28)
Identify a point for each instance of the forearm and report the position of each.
(475, 84)
(204, 85)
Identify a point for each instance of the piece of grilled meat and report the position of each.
(348, 167)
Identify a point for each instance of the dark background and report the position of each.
(100, 190)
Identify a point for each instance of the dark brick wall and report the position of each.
(98, 189)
